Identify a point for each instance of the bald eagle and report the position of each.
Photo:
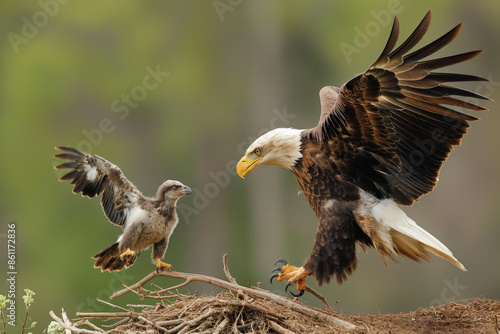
(380, 142)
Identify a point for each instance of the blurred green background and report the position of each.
(78, 74)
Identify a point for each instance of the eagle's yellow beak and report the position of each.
(244, 166)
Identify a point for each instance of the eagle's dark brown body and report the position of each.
(334, 250)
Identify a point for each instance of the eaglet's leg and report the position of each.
(159, 250)
(128, 243)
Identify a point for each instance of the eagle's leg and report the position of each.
(162, 265)
(293, 275)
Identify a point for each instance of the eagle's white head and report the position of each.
(278, 147)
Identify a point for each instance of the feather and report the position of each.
(408, 238)
(92, 175)
(399, 100)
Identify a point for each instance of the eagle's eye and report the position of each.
(257, 151)
(174, 187)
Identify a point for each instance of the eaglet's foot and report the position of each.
(162, 266)
(292, 275)
(128, 257)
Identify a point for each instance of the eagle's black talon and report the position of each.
(277, 270)
(284, 262)
(301, 292)
(273, 276)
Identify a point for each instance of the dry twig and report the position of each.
(69, 327)
(276, 327)
(226, 270)
(320, 297)
(112, 305)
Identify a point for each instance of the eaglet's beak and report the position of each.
(187, 191)
(244, 166)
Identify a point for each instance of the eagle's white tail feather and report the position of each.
(406, 237)
(390, 215)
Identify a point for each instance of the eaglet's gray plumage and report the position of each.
(144, 220)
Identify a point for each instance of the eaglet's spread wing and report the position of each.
(399, 119)
(92, 175)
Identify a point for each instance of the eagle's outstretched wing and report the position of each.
(92, 175)
(397, 122)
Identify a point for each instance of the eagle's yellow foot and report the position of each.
(128, 256)
(162, 265)
(292, 275)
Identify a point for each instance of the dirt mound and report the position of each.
(476, 316)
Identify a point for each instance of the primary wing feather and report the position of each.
(399, 118)
(92, 175)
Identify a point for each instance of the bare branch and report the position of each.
(276, 327)
(68, 326)
(221, 326)
(105, 315)
(112, 305)
(143, 306)
(226, 270)
(118, 323)
(320, 297)
(169, 322)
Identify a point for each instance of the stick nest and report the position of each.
(252, 310)
(223, 313)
